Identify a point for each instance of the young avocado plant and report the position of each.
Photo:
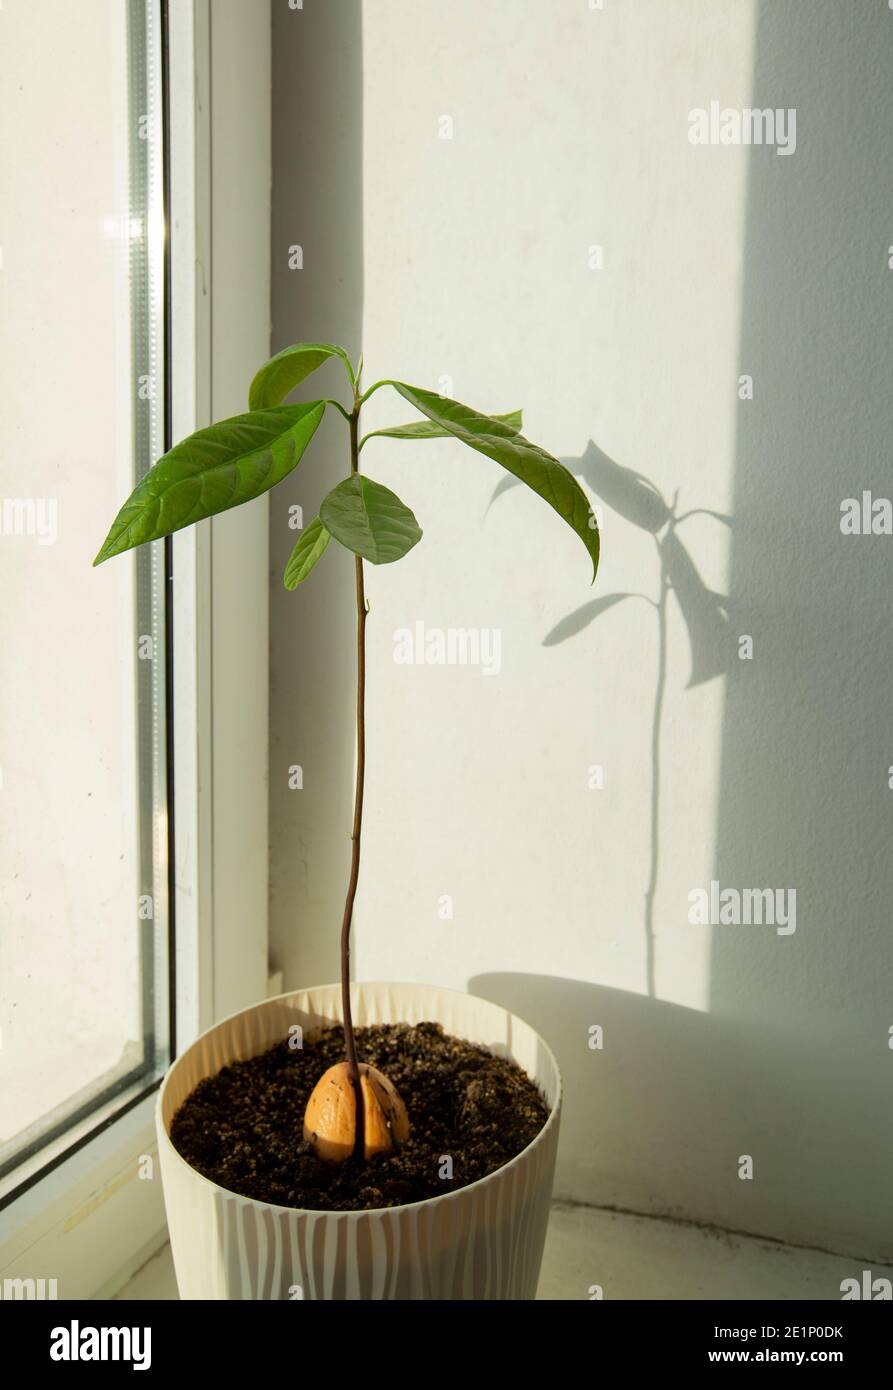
(354, 1109)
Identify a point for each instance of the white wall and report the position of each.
(570, 128)
(239, 280)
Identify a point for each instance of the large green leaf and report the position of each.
(427, 429)
(288, 369)
(370, 520)
(215, 469)
(539, 470)
(310, 548)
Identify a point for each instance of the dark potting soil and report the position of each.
(243, 1128)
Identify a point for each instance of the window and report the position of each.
(119, 333)
(84, 826)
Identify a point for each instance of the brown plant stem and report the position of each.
(350, 1045)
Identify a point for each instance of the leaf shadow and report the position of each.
(707, 615)
(635, 499)
(580, 619)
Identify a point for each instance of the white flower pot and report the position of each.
(484, 1241)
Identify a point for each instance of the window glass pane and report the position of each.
(83, 746)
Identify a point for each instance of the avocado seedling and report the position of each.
(354, 1111)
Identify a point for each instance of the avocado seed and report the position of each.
(330, 1120)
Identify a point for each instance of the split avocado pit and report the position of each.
(330, 1120)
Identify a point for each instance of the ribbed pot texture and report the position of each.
(484, 1241)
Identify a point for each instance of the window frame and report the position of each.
(88, 1220)
(70, 1125)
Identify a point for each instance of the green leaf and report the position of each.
(310, 548)
(214, 469)
(426, 429)
(539, 470)
(370, 520)
(288, 369)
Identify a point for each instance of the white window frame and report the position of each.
(92, 1221)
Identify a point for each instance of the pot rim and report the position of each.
(456, 1195)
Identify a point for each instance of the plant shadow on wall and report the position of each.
(707, 616)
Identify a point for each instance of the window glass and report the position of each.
(84, 990)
